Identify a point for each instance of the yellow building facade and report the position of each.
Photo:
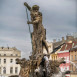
(54, 56)
(73, 62)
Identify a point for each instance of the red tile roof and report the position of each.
(73, 49)
(68, 46)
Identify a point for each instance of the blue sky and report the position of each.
(59, 19)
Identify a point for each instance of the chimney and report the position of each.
(62, 38)
(54, 40)
(69, 37)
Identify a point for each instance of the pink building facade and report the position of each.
(66, 55)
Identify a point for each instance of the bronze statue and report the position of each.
(25, 67)
(39, 33)
(39, 65)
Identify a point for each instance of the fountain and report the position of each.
(39, 64)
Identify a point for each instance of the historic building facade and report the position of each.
(73, 59)
(54, 56)
(8, 64)
(64, 53)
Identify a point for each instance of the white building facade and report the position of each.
(50, 48)
(8, 64)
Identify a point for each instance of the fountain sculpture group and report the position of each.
(39, 65)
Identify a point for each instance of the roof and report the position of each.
(68, 45)
(56, 44)
(9, 49)
(73, 49)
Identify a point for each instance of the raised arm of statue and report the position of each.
(29, 8)
(36, 21)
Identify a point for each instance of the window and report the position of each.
(4, 61)
(16, 70)
(4, 70)
(72, 45)
(72, 68)
(72, 57)
(11, 60)
(8, 47)
(16, 55)
(52, 58)
(11, 70)
(67, 67)
(4, 54)
(56, 57)
(0, 61)
(11, 54)
(76, 69)
(2, 47)
(0, 70)
(75, 57)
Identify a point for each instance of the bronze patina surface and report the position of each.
(39, 33)
(37, 65)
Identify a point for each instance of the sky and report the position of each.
(59, 19)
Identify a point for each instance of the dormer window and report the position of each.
(2, 47)
(8, 47)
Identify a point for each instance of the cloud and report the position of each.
(58, 18)
(23, 45)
